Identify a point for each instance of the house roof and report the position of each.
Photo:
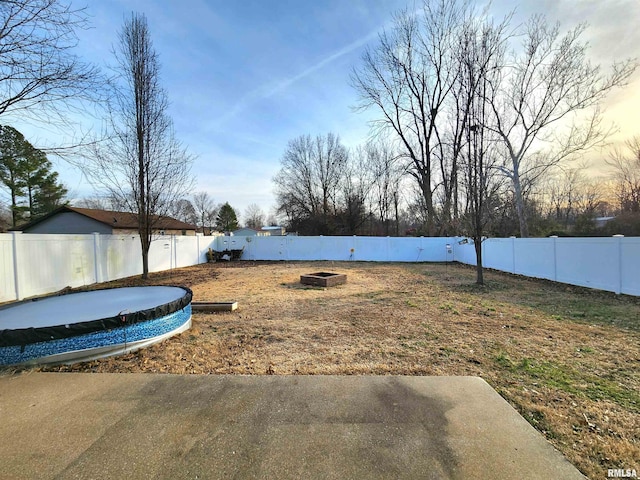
(114, 219)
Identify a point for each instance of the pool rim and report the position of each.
(30, 335)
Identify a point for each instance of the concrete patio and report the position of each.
(139, 426)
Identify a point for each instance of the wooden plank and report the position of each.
(214, 306)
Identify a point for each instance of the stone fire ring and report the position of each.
(323, 279)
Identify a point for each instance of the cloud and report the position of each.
(268, 90)
(284, 84)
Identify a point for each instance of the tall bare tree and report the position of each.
(550, 80)
(543, 104)
(481, 55)
(143, 165)
(408, 78)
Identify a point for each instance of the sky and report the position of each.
(245, 77)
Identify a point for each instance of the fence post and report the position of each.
(175, 250)
(619, 248)
(555, 258)
(16, 273)
(96, 262)
(513, 254)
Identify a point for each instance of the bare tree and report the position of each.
(100, 202)
(205, 210)
(544, 100)
(570, 194)
(558, 195)
(549, 81)
(387, 173)
(272, 219)
(254, 217)
(142, 165)
(626, 175)
(408, 78)
(308, 180)
(182, 209)
(355, 187)
(481, 54)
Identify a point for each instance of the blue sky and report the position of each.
(245, 77)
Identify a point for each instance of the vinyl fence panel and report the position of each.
(36, 264)
(7, 272)
(604, 263)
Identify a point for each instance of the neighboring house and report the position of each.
(274, 230)
(249, 232)
(68, 219)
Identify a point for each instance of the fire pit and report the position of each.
(323, 279)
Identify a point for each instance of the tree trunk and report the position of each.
(145, 244)
(477, 243)
(520, 208)
(395, 204)
(425, 185)
(14, 208)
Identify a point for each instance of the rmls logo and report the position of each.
(621, 473)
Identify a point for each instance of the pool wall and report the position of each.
(97, 344)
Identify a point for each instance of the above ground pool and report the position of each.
(84, 326)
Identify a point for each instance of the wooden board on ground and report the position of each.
(214, 306)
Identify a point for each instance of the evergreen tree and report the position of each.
(227, 219)
(28, 176)
(48, 196)
(12, 145)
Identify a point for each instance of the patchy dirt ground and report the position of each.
(568, 359)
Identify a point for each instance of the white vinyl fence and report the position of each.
(36, 264)
(611, 264)
(369, 249)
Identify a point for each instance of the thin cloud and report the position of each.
(284, 84)
(269, 90)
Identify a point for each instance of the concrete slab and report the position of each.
(140, 426)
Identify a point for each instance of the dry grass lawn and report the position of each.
(568, 359)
